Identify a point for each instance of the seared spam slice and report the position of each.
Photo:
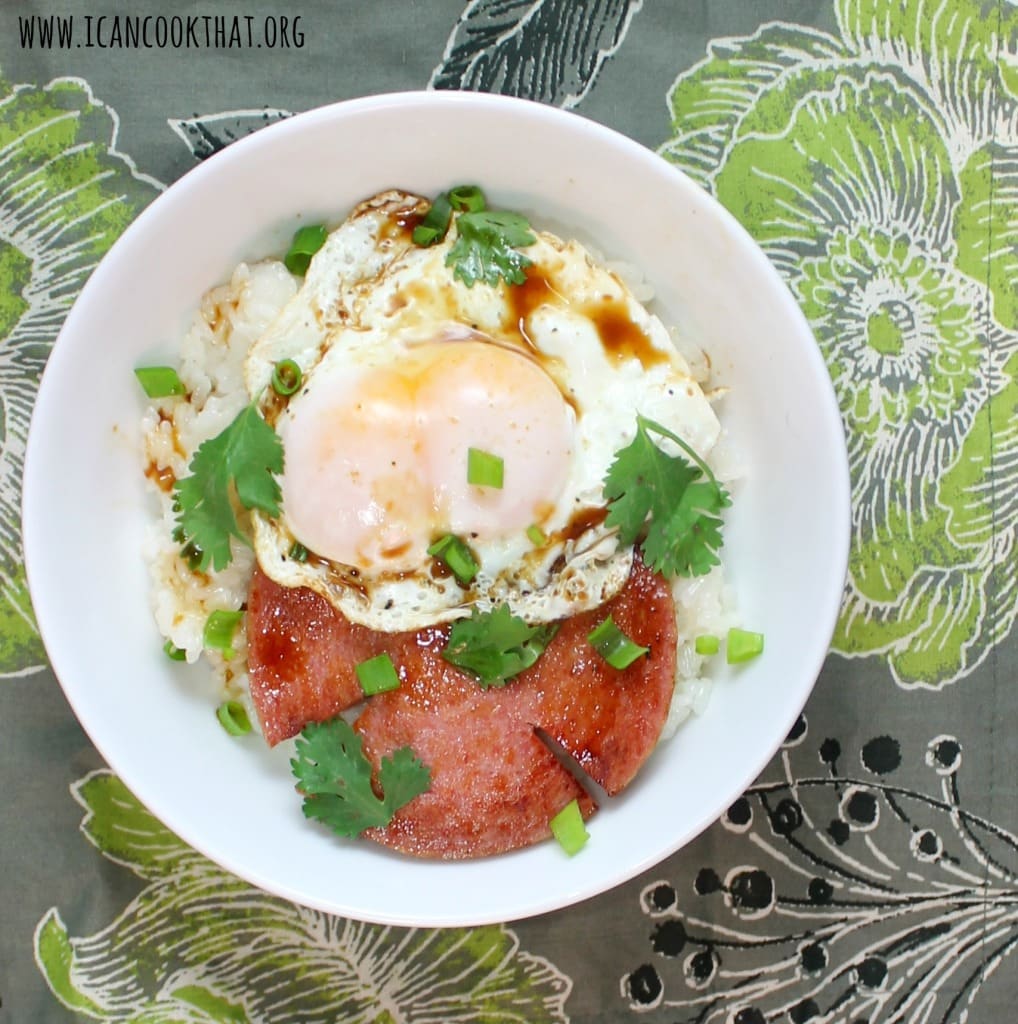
(301, 655)
(495, 784)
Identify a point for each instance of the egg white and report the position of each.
(370, 299)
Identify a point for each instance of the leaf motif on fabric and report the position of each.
(986, 233)
(66, 194)
(709, 102)
(199, 945)
(546, 50)
(878, 168)
(960, 52)
(205, 134)
(837, 895)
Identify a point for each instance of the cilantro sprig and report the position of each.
(334, 776)
(488, 242)
(488, 245)
(494, 646)
(242, 463)
(677, 503)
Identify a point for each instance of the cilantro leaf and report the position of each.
(402, 777)
(487, 247)
(495, 646)
(334, 775)
(692, 535)
(241, 461)
(675, 501)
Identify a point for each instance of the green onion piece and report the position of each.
(376, 675)
(160, 381)
(435, 223)
(173, 652)
(569, 829)
(537, 536)
(219, 629)
(467, 197)
(233, 718)
(298, 553)
(306, 242)
(613, 645)
(707, 643)
(743, 645)
(484, 469)
(286, 377)
(192, 555)
(456, 556)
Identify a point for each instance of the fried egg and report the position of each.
(405, 369)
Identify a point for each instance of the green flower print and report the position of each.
(878, 168)
(66, 194)
(197, 945)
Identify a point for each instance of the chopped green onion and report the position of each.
(219, 629)
(435, 223)
(456, 556)
(614, 646)
(286, 377)
(537, 536)
(467, 197)
(160, 381)
(377, 674)
(173, 652)
(707, 643)
(233, 718)
(569, 829)
(192, 555)
(306, 242)
(743, 645)
(298, 553)
(484, 469)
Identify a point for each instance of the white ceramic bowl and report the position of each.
(85, 506)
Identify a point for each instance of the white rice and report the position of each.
(231, 317)
(703, 605)
(229, 320)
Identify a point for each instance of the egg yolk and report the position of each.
(376, 457)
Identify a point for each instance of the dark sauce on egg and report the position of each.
(400, 225)
(439, 570)
(580, 522)
(524, 298)
(621, 337)
(272, 405)
(397, 550)
(336, 574)
(537, 290)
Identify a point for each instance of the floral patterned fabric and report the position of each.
(871, 873)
